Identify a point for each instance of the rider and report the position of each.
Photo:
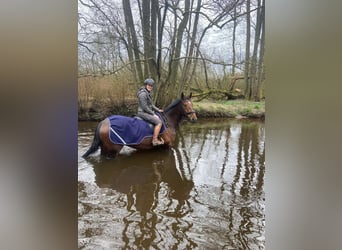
(146, 110)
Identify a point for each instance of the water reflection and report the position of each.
(206, 193)
(227, 165)
(146, 178)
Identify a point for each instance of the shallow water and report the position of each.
(207, 192)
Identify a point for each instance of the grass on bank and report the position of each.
(233, 108)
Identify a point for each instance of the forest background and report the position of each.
(214, 49)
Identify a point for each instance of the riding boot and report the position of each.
(156, 141)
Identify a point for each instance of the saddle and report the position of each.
(151, 125)
(126, 130)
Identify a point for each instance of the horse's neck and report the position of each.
(173, 118)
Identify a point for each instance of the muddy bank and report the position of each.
(231, 109)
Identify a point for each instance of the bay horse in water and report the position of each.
(111, 128)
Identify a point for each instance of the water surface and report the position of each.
(207, 192)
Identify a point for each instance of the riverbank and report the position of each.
(230, 109)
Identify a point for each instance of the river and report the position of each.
(207, 192)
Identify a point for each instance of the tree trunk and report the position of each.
(161, 24)
(179, 39)
(171, 88)
(149, 29)
(132, 34)
(152, 62)
(261, 75)
(248, 42)
(186, 78)
(146, 24)
(253, 72)
(163, 95)
(233, 42)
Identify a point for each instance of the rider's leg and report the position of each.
(156, 131)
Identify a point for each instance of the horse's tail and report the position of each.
(96, 142)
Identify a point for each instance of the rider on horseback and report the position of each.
(146, 110)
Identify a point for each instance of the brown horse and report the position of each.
(173, 114)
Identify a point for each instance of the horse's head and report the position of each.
(187, 106)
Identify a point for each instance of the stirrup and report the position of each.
(158, 142)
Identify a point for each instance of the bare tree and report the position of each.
(234, 40)
(186, 76)
(261, 72)
(247, 52)
(165, 40)
(133, 48)
(255, 62)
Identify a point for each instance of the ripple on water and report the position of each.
(190, 206)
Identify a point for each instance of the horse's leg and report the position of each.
(107, 147)
(169, 137)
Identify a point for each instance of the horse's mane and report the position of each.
(172, 105)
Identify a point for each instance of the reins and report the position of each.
(164, 119)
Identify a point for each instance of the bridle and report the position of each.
(187, 113)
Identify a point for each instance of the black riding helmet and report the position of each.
(149, 81)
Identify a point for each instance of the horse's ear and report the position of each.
(182, 95)
(190, 95)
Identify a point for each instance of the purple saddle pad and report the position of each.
(129, 130)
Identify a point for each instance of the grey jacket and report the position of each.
(145, 102)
